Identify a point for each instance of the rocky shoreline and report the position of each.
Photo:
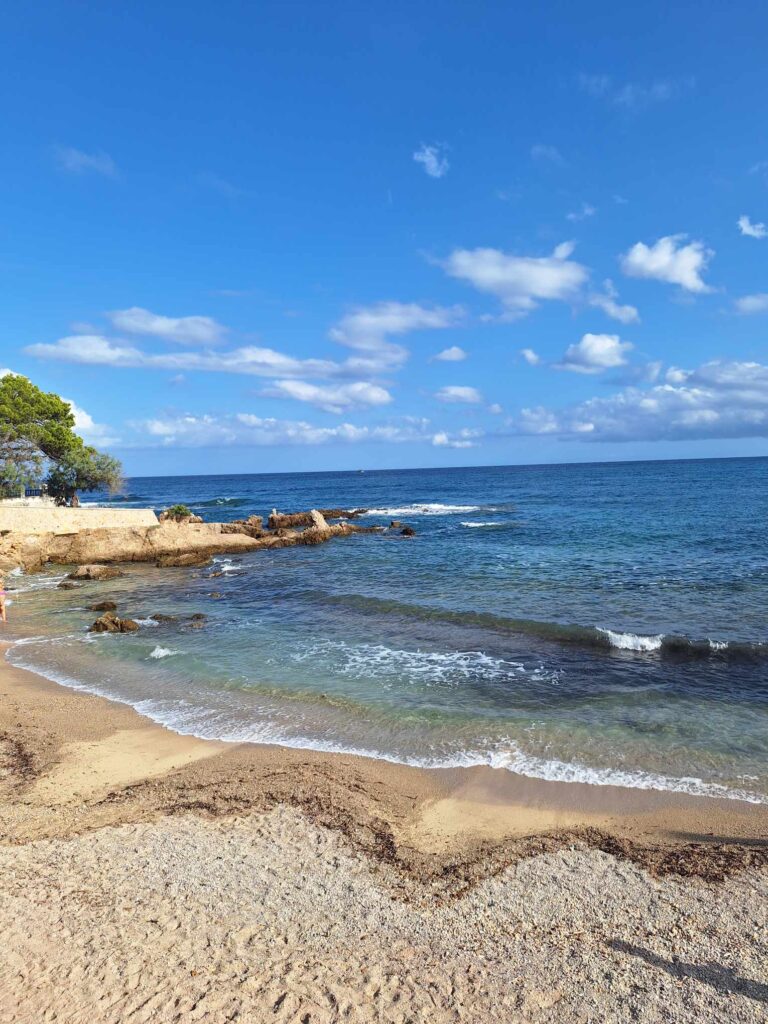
(175, 541)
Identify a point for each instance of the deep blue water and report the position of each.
(598, 622)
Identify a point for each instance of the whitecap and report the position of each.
(631, 641)
(162, 652)
(427, 509)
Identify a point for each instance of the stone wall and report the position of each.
(72, 520)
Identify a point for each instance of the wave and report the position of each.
(218, 502)
(428, 509)
(597, 637)
(476, 525)
(632, 642)
(377, 661)
(162, 652)
(209, 724)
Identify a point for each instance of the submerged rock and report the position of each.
(188, 560)
(407, 531)
(161, 617)
(103, 606)
(96, 572)
(69, 585)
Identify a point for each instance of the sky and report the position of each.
(293, 236)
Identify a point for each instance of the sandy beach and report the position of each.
(148, 876)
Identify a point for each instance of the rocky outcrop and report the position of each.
(290, 520)
(96, 572)
(110, 623)
(168, 543)
(103, 606)
(407, 531)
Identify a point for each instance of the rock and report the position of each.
(395, 524)
(318, 520)
(216, 595)
(96, 572)
(160, 617)
(103, 606)
(110, 623)
(198, 616)
(342, 513)
(183, 520)
(69, 585)
(407, 531)
(188, 560)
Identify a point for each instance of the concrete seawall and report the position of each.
(73, 520)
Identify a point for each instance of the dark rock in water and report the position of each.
(160, 617)
(110, 623)
(69, 585)
(189, 560)
(215, 594)
(103, 606)
(214, 575)
(198, 616)
(96, 572)
(395, 524)
(407, 531)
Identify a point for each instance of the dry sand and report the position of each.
(146, 876)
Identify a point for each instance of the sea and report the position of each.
(600, 623)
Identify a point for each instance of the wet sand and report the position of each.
(148, 876)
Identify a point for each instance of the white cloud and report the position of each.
(746, 227)
(634, 95)
(595, 353)
(549, 154)
(717, 400)
(531, 357)
(433, 160)
(368, 328)
(94, 433)
(193, 330)
(459, 393)
(586, 210)
(332, 398)
(464, 439)
(668, 260)
(95, 350)
(520, 282)
(76, 161)
(454, 354)
(607, 302)
(243, 429)
(496, 409)
(752, 303)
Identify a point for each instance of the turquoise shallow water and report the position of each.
(602, 623)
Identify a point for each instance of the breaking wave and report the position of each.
(428, 509)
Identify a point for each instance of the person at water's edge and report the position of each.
(3, 615)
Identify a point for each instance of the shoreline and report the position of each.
(84, 761)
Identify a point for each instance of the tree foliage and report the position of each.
(37, 437)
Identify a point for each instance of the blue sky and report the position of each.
(283, 236)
